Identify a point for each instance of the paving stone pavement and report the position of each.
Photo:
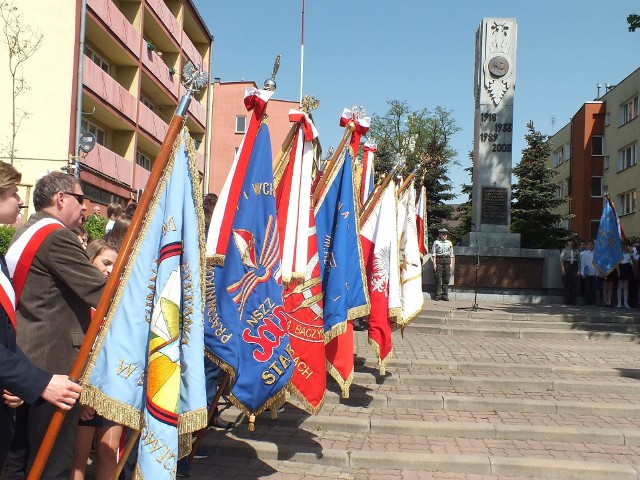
(463, 406)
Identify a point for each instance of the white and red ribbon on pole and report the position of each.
(296, 237)
(361, 127)
(366, 183)
(219, 233)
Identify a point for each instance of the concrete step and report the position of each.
(620, 327)
(384, 452)
(459, 402)
(527, 381)
(621, 315)
(524, 332)
(344, 421)
(419, 365)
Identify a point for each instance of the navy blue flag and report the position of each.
(248, 293)
(342, 269)
(607, 252)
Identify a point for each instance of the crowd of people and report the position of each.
(51, 279)
(620, 288)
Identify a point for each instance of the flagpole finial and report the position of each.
(270, 83)
(309, 103)
(193, 79)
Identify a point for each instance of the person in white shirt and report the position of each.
(589, 274)
(442, 253)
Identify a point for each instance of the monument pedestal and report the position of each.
(491, 239)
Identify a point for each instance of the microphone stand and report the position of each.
(476, 306)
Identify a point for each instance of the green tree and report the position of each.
(422, 138)
(464, 210)
(535, 196)
(6, 233)
(94, 225)
(633, 20)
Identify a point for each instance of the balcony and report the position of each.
(166, 18)
(160, 71)
(152, 124)
(117, 23)
(200, 161)
(105, 87)
(196, 109)
(109, 163)
(141, 177)
(191, 51)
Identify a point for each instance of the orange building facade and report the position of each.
(229, 122)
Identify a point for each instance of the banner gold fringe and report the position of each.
(215, 260)
(111, 409)
(184, 445)
(305, 403)
(382, 362)
(192, 421)
(274, 403)
(344, 384)
(335, 331)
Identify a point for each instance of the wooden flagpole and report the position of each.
(317, 193)
(212, 409)
(370, 205)
(286, 144)
(118, 268)
(406, 183)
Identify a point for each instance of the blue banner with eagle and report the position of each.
(147, 368)
(247, 333)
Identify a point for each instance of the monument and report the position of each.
(490, 262)
(494, 86)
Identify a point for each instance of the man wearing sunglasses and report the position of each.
(55, 286)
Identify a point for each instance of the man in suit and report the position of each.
(20, 380)
(53, 310)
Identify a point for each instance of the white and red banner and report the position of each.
(409, 257)
(219, 233)
(302, 294)
(380, 253)
(421, 222)
(366, 182)
(361, 127)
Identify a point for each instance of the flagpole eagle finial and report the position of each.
(359, 112)
(270, 83)
(193, 77)
(309, 103)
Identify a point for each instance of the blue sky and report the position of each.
(368, 52)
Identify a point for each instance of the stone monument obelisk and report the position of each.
(495, 77)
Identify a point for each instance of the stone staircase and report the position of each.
(473, 395)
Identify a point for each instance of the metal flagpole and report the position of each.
(302, 53)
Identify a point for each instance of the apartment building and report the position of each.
(230, 120)
(115, 72)
(596, 152)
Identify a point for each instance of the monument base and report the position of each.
(522, 274)
(491, 239)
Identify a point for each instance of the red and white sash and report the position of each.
(8, 298)
(20, 255)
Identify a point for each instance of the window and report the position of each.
(606, 162)
(558, 157)
(241, 122)
(607, 121)
(629, 110)
(146, 101)
(596, 186)
(565, 188)
(98, 132)
(597, 145)
(627, 157)
(595, 224)
(627, 202)
(97, 59)
(143, 161)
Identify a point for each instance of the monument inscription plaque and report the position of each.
(494, 206)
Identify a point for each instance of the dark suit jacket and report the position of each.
(17, 375)
(54, 308)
